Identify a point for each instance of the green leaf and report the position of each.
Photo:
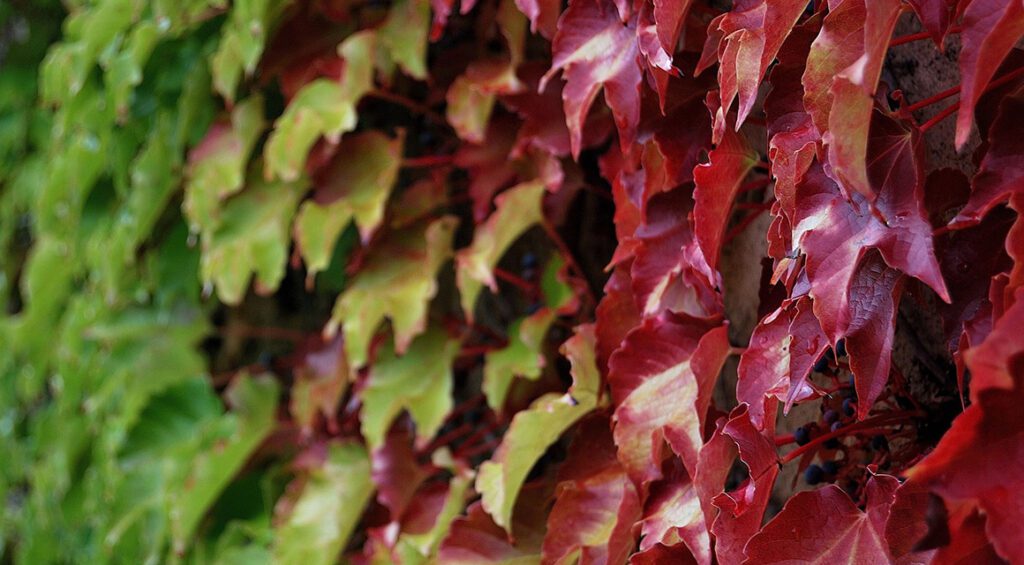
(419, 381)
(356, 183)
(404, 35)
(217, 166)
(322, 108)
(534, 430)
(252, 238)
(397, 282)
(253, 402)
(518, 209)
(241, 43)
(326, 513)
(124, 71)
(524, 356)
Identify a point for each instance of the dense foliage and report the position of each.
(529, 357)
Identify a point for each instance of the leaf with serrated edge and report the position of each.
(518, 209)
(328, 510)
(534, 430)
(322, 108)
(396, 282)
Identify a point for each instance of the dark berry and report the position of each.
(831, 416)
(801, 436)
(832, 443)
(813, 474)
(532, 308)
(841, 348)
(830, 467)
(529, 261)
(879, 443)
(821, 366)
(836, 426)
(849, 407)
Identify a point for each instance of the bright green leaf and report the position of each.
(327, 511)
(535, 429)
(518, 209)
(419, 381)
(397, 282)
(322, 108)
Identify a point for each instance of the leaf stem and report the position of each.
(868, 424)
(949, 110)
(516, 281)
(910, 38)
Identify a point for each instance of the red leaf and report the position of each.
(595, 50)
(742, 510)
(616, 315)
(978, 458)
(475, 538)
(782, 352)
(836, 234)
(874, 298)
(907, 523)
(847, 137)
(825, 526)
(1001, 173)
(669, 16)
(753, 33)
(677, 554)
(934, 16)
(596, 504)
(673, 514)
(718, 182)
(989, 30)
(543, 15)
(396, 473)
(661, 381)
(792, 135)
(670, 272)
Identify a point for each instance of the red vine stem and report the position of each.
(409, 103)
(518, 282)
(868, 424)
(952, 108)
(909, 38)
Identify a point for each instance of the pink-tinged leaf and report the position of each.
(907, 524)
(1001, 173)
(742, 510)
(712, 45)
(320, 383)
(627, 193)
(713, 468)
(669, 16)
(853, 92)
(543, 114)
(396, 472)
(782, 351)
(616, 315)
(968, 542)
(825, 526)
(1015, 248)
(543, 15)
(490, 165)
(669, 272)
(976, 460)
(934, 16)
(874, 299)
(680, 128)
(835, 234)
(677, 554)
(596, 504)
(718, 182)
(475, 538)
(595, 50)
(661, 381)
(673, 514)
(753, 33)
(839, 44)
(990, 28)
(792, 135)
